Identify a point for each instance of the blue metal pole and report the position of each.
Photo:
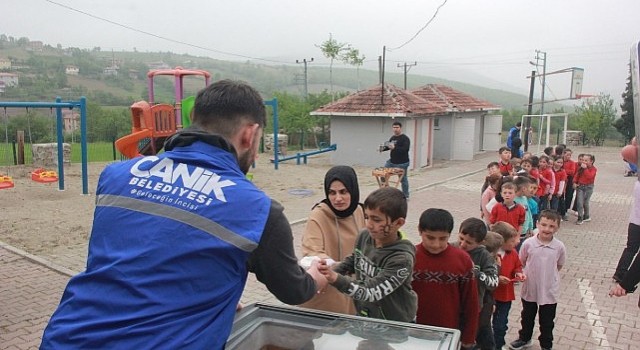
(274, 106)
(60, 140)
(38, 104)
(83, 144)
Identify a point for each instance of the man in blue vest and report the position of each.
(513, 133)
(175, 235)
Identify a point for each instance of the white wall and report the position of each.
(358, 139)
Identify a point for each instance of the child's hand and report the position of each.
(318, 277)
(617, 291)
(519, 276)
(504, 280)
(326, 271)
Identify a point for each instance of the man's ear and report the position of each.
(248, 135)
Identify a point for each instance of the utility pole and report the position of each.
(406, 70)
(306, 80)
(527, 121)
(540, 55)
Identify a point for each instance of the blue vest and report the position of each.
(167, 257)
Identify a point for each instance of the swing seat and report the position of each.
(44, 176)
(5, 182)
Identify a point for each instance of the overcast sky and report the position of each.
(492, 38)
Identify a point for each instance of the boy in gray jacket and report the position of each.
(381, 263)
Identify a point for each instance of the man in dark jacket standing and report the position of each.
(169, 251)
(399, 145)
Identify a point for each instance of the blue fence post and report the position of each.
(60, 139)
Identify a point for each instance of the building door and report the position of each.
(492, 132)
(426, 141)
(463, 138)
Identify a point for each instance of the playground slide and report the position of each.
(128, 145)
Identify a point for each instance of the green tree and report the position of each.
(626, 124)
(595, 116)
(352, 57)
(332, 49)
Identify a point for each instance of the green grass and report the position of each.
(96, 152)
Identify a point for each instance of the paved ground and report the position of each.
(31, 286)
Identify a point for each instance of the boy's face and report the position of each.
(508, 194)
(380, 226)
(435, 242)
(547, 228)
(511, 244)
(533, 188)
(526, 166)
(494, 169)
(505, 156)
(467, 242)
(566, 156)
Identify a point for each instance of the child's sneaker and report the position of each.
(579, 222)
(565, 217)
(587, 219)
(519, 344)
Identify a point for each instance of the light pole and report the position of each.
(541, 55)
(304, 61)
(406, 70)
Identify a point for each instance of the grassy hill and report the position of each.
(42, 76)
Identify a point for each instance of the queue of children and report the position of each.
(468, 285)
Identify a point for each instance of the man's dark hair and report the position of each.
(389, 201)
(474, 227)
(519, 124)
(435, 219)
(224, 106)
(397, 124)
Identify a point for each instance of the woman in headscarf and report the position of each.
(331, 231)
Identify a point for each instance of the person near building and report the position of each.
(399, 145)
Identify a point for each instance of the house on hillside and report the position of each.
(9, 79)
(361, 122)
(5, 63)
(110, 71)
(71, 70)
(441, 122)
(70, 120)
(36, 46)
(467, 129)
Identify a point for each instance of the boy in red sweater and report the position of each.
(508, 211)
(510, 272)
(506, 169)
(443, 279)
(583, 183)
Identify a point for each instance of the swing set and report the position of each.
(49, 176)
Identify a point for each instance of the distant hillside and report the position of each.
(42, 76)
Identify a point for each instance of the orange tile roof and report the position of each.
(452, 99)
(390, 101)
